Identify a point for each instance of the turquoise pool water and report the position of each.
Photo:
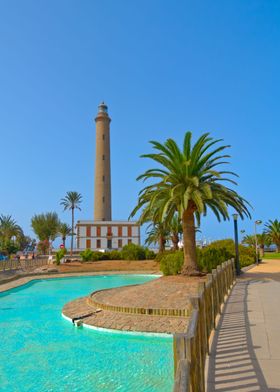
(41, 351)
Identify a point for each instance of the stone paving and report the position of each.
(163, 293)
(245, 352)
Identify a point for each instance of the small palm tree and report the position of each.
(188, 182)
(263, 240)
(46, 226)
(273, 232)
(9, 228)
(72, 201)
(175, 231)
(157, 234)
(64, 230)
(249, 240)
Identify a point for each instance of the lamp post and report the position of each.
(237, 264)
(257, 222)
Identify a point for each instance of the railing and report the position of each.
(191, 348)
(25, 264)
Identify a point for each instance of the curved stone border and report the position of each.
(122, 332)
(134, 310)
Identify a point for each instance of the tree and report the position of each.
(263, 240)
(9, 228)
(157, 233)
(10, 234)
(175, 231)
(249, 240)
(72, 201)
(188, 182)
(273, 232)
(64, 230)
(46, 226)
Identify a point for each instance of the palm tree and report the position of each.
(46, 226)
(188, 182)
(64, 230)
(273, 232)
(71, 201)
(249, 240)
(157, 233)
(9, 228)
(175, 231)
(263, 240)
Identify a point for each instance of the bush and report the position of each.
(246, 254)
(133, 252)
(160, 255)
(90, 255)
(115, 255)
(171, 263)
(149, 254)
(59, 255)
(208, 258)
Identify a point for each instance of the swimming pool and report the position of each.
(41, 351)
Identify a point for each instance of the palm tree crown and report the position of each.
(72, 201)
(273, 232)
(64, 230)
(9, 228)
(188, 182)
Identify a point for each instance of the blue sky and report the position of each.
(163, 67)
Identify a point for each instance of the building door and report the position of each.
(109, 244)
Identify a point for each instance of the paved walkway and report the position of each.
(245, 353)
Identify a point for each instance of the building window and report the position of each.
(129, 231)
(98, 231)
(103, 178)
(88, 231)
(109, 244)
(109, 230)
(119, 243)
(103, 157)
(103, 136)
(88, 244)
(98, 244)
(103, 199)
(120, 231)
(129, 241)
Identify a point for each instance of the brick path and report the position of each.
(245, 353)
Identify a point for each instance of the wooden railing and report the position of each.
(191, 348)
(25, 264)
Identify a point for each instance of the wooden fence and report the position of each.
(25, 264)
(191, 348)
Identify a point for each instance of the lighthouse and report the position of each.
(102, 183)
(102, 233)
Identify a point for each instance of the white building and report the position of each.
(106, 234)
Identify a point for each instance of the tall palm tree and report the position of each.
(71, 201)
(64, 230)
(9, 228)
(188, 182)
(157, 234)
(46, 226)
(273, 232)
(249, 240)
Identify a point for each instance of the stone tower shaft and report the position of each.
(102, 185)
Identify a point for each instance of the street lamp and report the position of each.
(237, 264)
(257, 222)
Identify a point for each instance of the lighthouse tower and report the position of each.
(102, 233)
(102, 186)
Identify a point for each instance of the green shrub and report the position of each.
(59, 255)
(149, 254)
(246, 253)
(160, 255)
(171, 263)
(133, 252)
(208, 258)
(115, 255)
(90, 255)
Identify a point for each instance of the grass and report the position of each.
(272, 255)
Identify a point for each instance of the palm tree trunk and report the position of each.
(63, 241)
(261, 250)
(175, 241)
(190, 259)
(162, 244)
(72, 234)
